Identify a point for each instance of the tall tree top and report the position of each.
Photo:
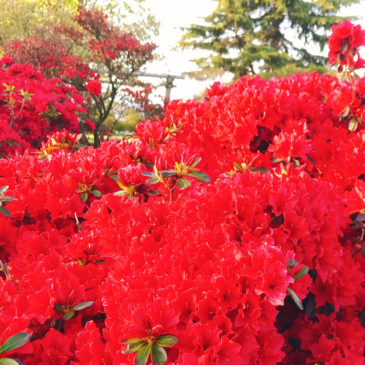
(257, 35)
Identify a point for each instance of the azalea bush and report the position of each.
(87, 52)
(31, 107)
(229, 232)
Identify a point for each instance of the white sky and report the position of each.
(174, 14)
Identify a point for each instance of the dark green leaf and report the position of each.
(183, 183)
(68, 315)
(154, 192)
(168, 173)
(201, 176)
(310, 159)
(133, 347)
(352, 125)
(262, 170)
(3, 189)
(195, 162)
(154, 180)
(82, 305)
(5, 211)
(114, 177)
(303, 271)
(142, 355)
(58, 307)
(84, 197)
(7, 361)
(15, 342)
(149, 174)
(295, 299)
(159, 356)
(166, 340)
(96, 193)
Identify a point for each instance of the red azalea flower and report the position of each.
(94, 87)
(344, 42)
(90, 124)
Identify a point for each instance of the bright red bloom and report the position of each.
(94, 87)
(344, 43)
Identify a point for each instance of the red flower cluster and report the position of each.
(229, 232)
(94, 87)
(344, 44)
(32, 106)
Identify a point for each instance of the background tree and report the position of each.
(252, 36)
(87, 50)
(21, 18)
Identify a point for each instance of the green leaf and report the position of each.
(168, 173)
(291, 264)
(84, 197)
(82, 305)
(58, 307)
(154, 180)
(201, 176)
(295, 299)
(276, 159)
(195, 162)
(303, 271)
(159, 356)
(96, 193)
(310, 159)
(14, 342)
(68, 315)
(131, 340)
(147, 173)
(133, 347)
(5, 211)
(7, 361)
(7, 199)
(120, 193)
(363, 251)
(352, 125)
(166, 340)
(183, 183)
(3, 189)
(154, 192)
(262, 170)
(142, 355)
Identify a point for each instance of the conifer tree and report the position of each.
(257, 36)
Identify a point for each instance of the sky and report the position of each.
(176, 14)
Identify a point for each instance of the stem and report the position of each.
(171, 193)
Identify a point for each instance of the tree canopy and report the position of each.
(264, 36)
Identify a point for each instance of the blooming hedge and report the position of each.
(229, 232)
(32, 106)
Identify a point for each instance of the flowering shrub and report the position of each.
(32, 107)
(106, 49)
(229, 232)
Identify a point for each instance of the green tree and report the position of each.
(21, 18)
(248, 37)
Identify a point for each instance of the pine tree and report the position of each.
(247, 37)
